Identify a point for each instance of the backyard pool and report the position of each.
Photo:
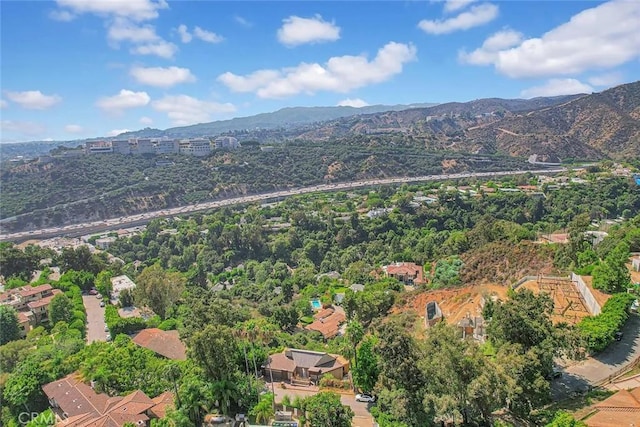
(316, 304)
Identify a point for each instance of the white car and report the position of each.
(365, 398)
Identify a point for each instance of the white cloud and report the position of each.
(296, 31)
(488, 52)
(455, 5)
(146, 120)
(474, 17)
(33, 99)
(355, 103)
(185, 36)
(123, 100)
(73, 129)
(207, 36)
(61, 15)
(602, 37)
(22, 127)
(124, 30)
(116, 132)
(608, 79)
(242, 21)
(339, 74)
(136, 10)
(199, 33)
(555, 87)
(3, 104)
(162, 77)
(185, 110)
(162, 48)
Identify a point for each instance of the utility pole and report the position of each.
(273, 389)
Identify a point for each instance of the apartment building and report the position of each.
(226, 143)
(31, 304)
(195, 147)
(167, 146)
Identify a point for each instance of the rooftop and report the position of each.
(164, 343)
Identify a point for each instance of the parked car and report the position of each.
(108, 337)
(364, 397)
(99, 296)
(102, 304)
(618, 336)
(106, 328)
(93, 292)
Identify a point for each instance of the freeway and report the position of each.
(143, 218)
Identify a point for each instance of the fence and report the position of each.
(588, 298)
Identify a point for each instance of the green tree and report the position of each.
(325, 410)
(612, 275)
(9, 326)
(565, 419)
(60, 309)
(215, 350)
(365, 371)
(159, 289)
(126, 298)
(263, 411)
(103, 283)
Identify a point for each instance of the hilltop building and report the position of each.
(31, 303)
(226, 143)
(119, 284)
(408, 273)
(195, 147)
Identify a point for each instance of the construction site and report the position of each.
(573, 296)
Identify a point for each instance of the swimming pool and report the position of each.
(315, 303)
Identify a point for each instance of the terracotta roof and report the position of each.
(314, 361)
(405, 269)
(27, 291)
(86, 408)
(74, 397)
(162, 403)
(43, 301)
(328, 326)
(164, 343)
(621, 409)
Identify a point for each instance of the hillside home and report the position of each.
(408, 273)
(304, 365)
(620, 409)
(327, 322)
(31, 303)
(119, 284)
(163, 343)
(77, 404)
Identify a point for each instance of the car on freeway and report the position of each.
(365, 397)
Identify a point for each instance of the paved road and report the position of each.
(116, 223)
(95, 319)
(362, 416)
(595, 370)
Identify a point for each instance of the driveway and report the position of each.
(595, 370)
(362, 417)
(95, 319)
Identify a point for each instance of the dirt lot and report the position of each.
(459, 303)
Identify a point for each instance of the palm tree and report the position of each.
(263, 411)
(223, 392)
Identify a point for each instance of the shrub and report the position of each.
(599, 331)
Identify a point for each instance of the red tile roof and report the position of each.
(164, 343)
(406, 269)
(621, 409)
(29, 291)
(327, 322)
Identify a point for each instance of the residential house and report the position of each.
(620, 409)
(164, 343)
(328, 321)
(77, 404)
(119, 284)
(104, 242)
(31, 303)
(304, 365)
(408, 273)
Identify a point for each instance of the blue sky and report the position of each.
(73, 69)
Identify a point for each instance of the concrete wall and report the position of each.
(591, 303)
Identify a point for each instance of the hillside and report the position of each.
(283, 118)
(595, 126)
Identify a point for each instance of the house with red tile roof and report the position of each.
(31, 303)
(408, 273)
(164, 343)
(77, 404)
(327, 322)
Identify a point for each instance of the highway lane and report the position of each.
(138, 219)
